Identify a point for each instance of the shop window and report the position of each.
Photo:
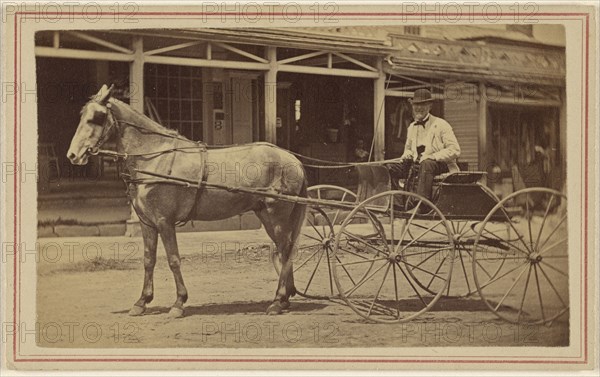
(176, 93)
(515, 134)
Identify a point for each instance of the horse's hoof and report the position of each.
(137, 310)
(176, 312)
(275, 308)
(285, 305)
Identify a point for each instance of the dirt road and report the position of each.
(86, 287)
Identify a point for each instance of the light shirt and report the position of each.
(422, 131)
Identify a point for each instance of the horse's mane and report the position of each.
(137, 117)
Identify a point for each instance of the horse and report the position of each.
(160, 204)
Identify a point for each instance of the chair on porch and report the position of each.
(47, 158)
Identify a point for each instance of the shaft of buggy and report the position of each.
(261, 192)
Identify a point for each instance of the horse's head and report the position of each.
(93, 129)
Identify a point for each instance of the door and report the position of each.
(241, 111)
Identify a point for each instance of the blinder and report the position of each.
(99, 117)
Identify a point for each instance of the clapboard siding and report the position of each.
(463, 116)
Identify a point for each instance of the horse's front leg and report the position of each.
(169, 239)
(150, 236)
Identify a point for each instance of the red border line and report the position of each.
(323, 13)
(16, 218)
(307, 360)
(586, 195)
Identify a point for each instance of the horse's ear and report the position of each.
(104, 94)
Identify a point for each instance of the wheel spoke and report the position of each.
(312, 237)
(499, 277)
(553, 231)
(537, 283)
(427, 252)
(353, 253)
(424, 260)
(329, 271)
(519, 236)
(316, 230)
(506, 258)
(379, 289)
(412, 216)
(360, 283)
(448, 285)
(552, 285)
(335, 217)
(434, 275)
(314, 272)
(396, 289)
(529, 216)
(463, 228)
(524, 293)
(464, 272)
(508, 242)
(510, 289)
(537, 241)
(421, 235)
(392, 221)
(479, 264)
(565, 239)
(307, 259)
(357, 238)
(310, 246)
(431, 230)
(362, 261)
(554, 268)
(436, 271)
(412, 285)
(379, 228)
(345, 270)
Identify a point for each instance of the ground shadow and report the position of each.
(240, 307)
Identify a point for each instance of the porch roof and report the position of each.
(292, 38)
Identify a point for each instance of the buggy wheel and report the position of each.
(527, 234)
(312, 265)
(380, 250)
(462, 282)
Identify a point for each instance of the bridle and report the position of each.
(106, 130)
(113, 122)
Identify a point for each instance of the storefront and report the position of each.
(316, 92)
(222, 87)
(503, 99)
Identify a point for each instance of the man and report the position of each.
(430, 142)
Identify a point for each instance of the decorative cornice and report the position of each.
(512, 63)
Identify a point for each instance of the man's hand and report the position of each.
(406, 156)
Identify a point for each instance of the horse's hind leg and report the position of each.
(169, 239)
(283, 226)
(150, 237)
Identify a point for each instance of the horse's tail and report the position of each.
(299, 212)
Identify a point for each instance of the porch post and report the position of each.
(483, 155)
(270, 93)
(379, 114)
(136, 100)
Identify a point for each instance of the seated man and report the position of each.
(430, 142)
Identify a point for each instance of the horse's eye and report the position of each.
(99, 118)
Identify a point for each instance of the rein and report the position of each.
(113, 121)
(198, 145)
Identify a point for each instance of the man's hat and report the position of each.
(421, 96)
